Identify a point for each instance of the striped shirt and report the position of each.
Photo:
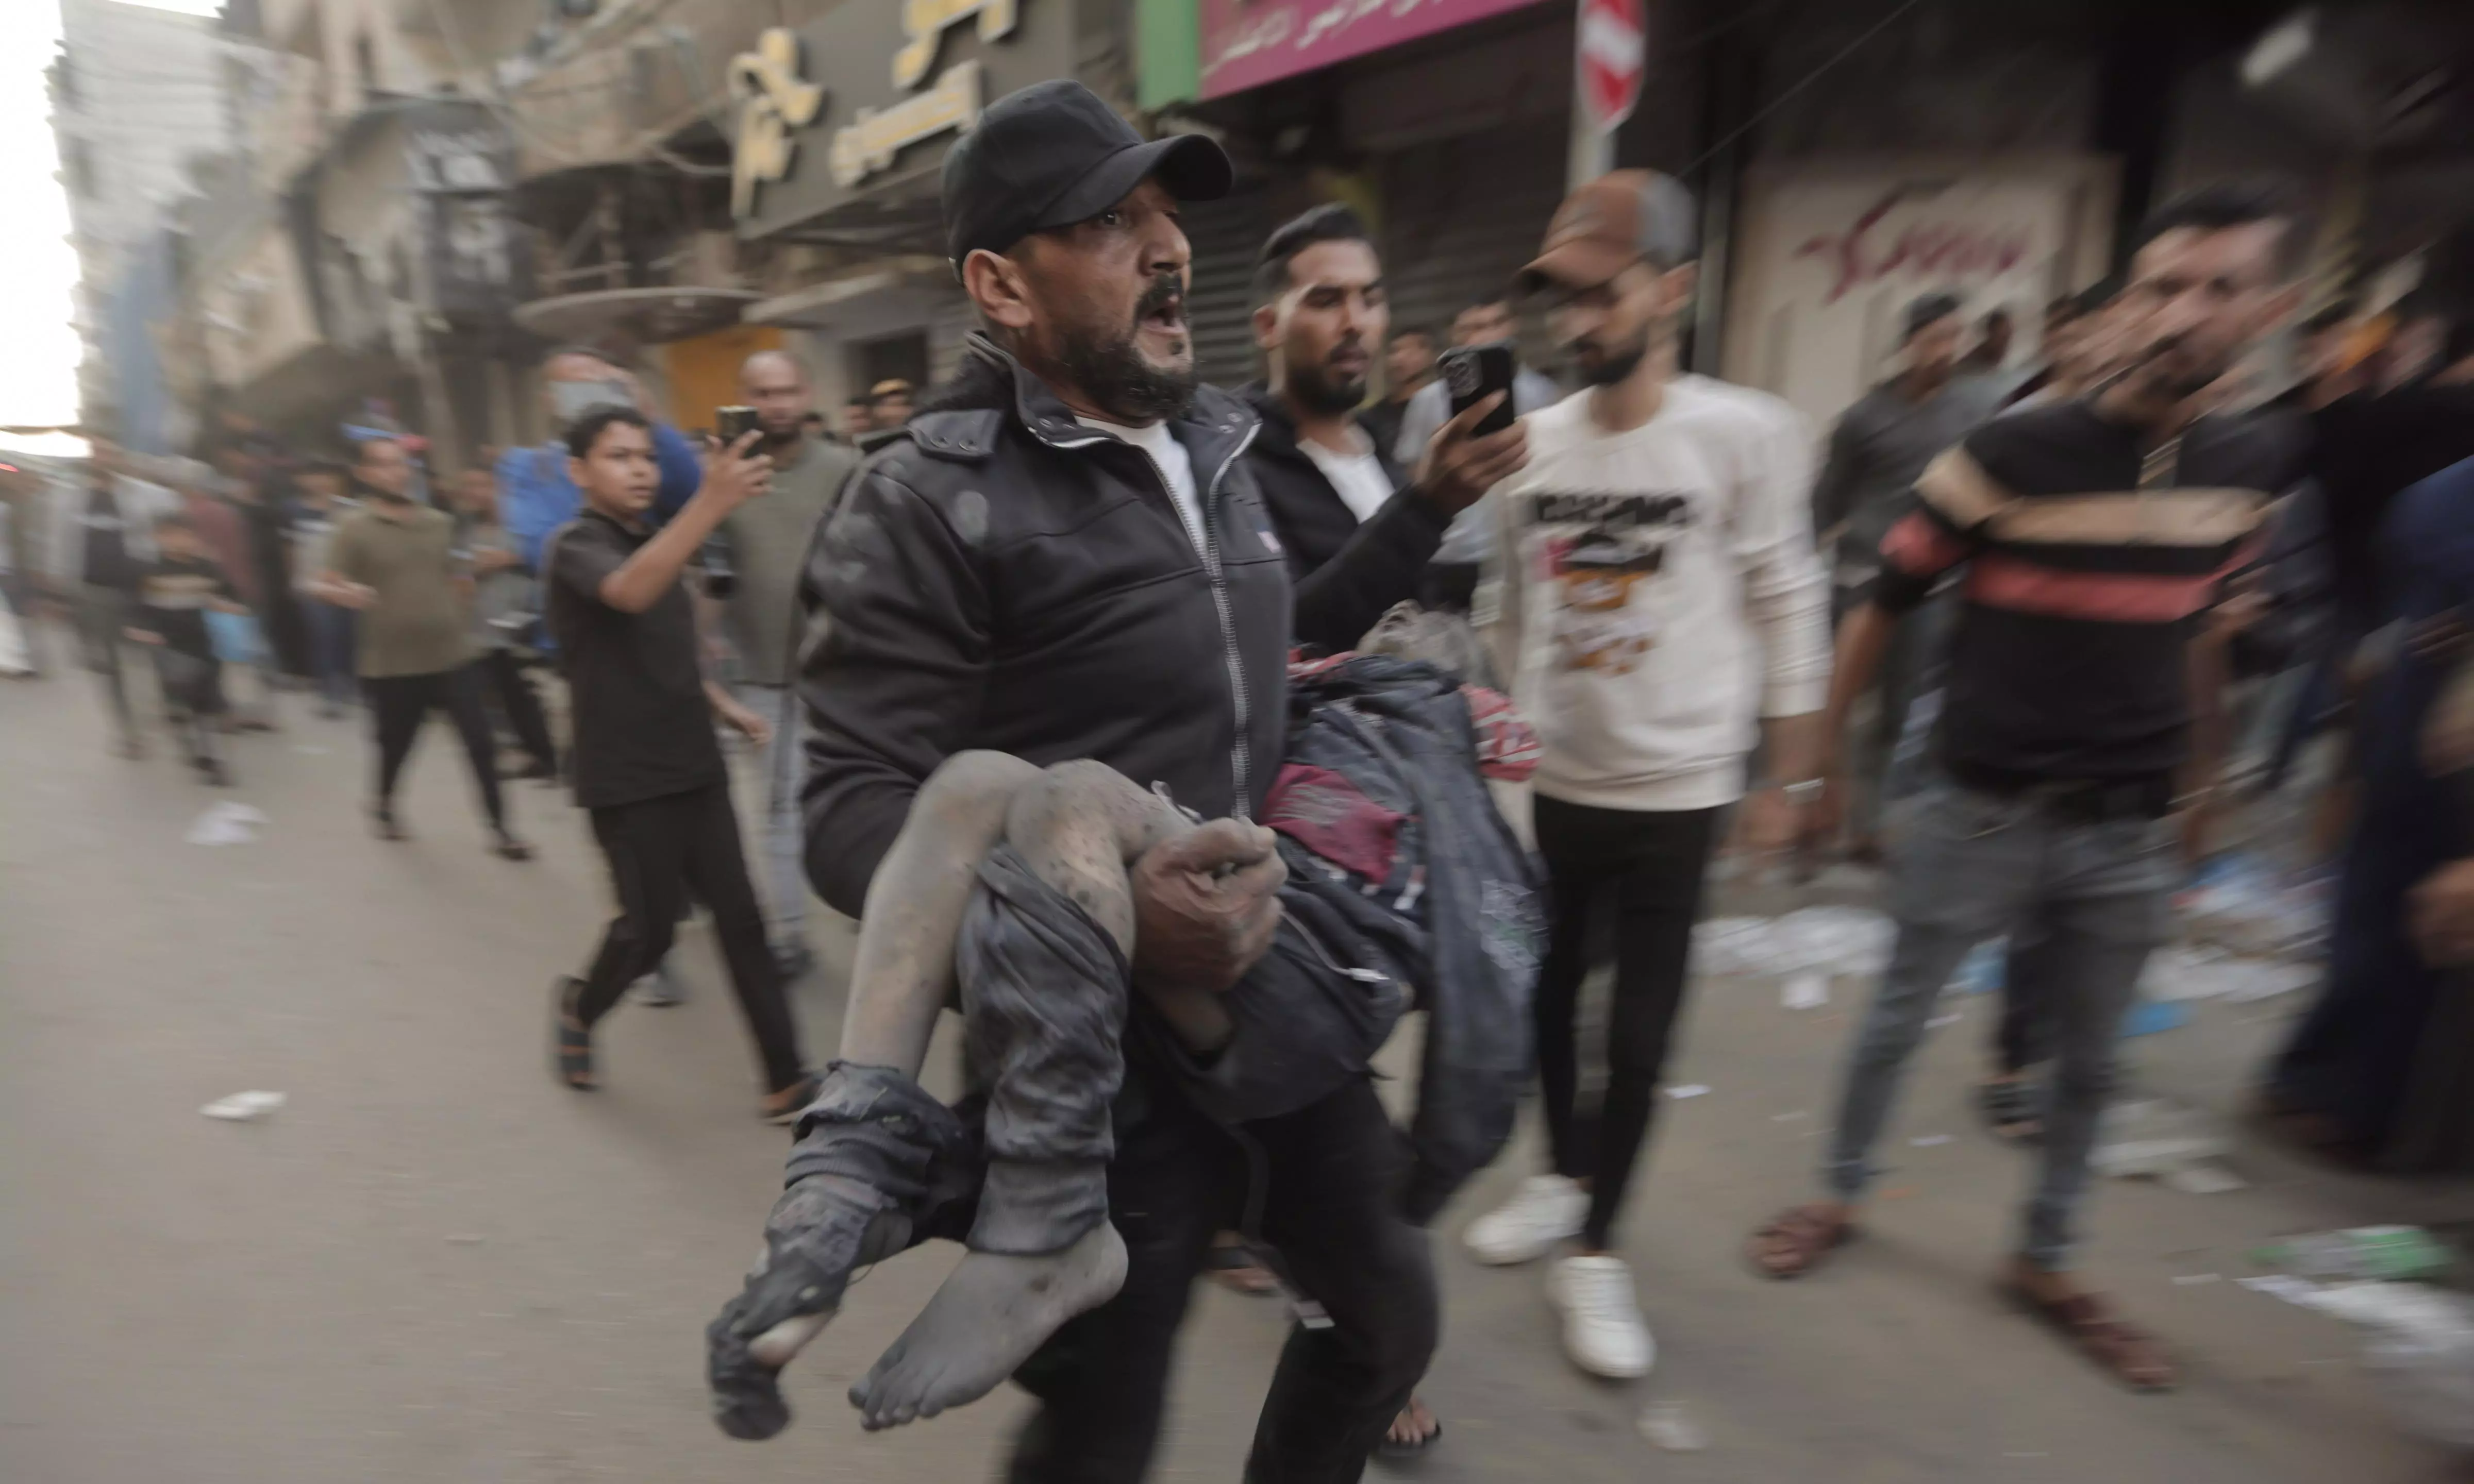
(2086, 561)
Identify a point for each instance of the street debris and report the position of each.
(2420, 1348)
(1929, 1140)
(1939, 1021)
(243, 1107)
(1806, 992)
(2202, 1177)
(2194, 1280)
(2188, 972)
(229, 823)
(2154, 1137)
(2392, 1252)
(1688, 1090)
(1671, 1427)
(1809, 940)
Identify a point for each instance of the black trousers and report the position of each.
(660, 853)
(1321, 1186)
(398, 704)
(1655, 863)
(521, 704)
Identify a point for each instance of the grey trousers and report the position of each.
(1974, 866)
(786, 762)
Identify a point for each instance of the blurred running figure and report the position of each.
(1661, 611)
(395, 564)
(2092, 532)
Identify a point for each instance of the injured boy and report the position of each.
(1008, 890)
(1022, 872)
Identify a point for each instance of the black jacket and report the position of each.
(1347, 574)
(1004, 576)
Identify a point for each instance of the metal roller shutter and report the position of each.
(1460, 218)
(1224, 235)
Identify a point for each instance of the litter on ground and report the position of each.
(243, 1107)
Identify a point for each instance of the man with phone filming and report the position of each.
(1662, 609)
(536, 494)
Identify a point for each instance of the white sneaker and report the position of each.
(1547, 1209)
(1603, 1330)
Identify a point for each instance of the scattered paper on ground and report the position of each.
(1806, 992)
(1671, 1427)
(1811, 940)
(229, 823)
(243, 1107)
(1688, 1090)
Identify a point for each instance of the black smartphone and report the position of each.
(730, 425)
(1471, 373)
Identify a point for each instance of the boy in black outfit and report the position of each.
(174, 594)
(644, 758)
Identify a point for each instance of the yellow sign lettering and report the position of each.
(926, 21)
(874, 136)
(772, 101)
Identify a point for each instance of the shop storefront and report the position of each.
(842, 128)
(1446, 125)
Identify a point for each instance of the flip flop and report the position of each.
(1795, 1242)
(2129, 1353)
(1397, 1450)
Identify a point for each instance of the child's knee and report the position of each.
(972, 785)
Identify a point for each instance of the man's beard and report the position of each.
(1616, 363)
(1324, 392)
(1110, 369)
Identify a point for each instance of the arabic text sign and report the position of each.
(1246, 43)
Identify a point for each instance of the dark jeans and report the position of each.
(521, 704)
(193, 700)
(398, 704)
(330, 649)
(660, 853)
(102, 613)
(1322, 1182)
(1655, 863)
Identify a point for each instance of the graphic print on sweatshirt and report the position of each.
(1602, 554)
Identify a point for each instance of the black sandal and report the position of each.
(571, 1048)
(508, 846)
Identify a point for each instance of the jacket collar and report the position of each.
(1280, 436)
(1214, 429)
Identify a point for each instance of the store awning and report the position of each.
(642, 316)
(859, 295)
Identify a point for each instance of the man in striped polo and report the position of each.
(2094, 536)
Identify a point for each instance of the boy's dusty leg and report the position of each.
(904, 971)
(874, 1145)
(1045, 988)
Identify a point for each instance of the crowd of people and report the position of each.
(1031, 667)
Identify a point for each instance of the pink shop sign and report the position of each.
(1246, 43)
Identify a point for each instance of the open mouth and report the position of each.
(1168, 318)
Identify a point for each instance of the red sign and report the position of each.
(1613, 38)
(1246, 43)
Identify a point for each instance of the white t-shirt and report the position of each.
(1175, 465)
(1660, 592)
(1357, 476)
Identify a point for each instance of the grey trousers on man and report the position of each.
(786, 769)
(1972, 867)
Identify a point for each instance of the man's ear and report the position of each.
(1267, 327)
(575, 470)
(999, 287)
(1675, 287)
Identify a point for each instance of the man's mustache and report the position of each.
(1166, 290)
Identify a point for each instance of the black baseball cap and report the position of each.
(1053, 154)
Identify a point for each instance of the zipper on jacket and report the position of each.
(1240, 750)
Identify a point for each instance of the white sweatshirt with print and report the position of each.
(1659, 592)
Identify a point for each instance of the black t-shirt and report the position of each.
(2085, 562)
(642, 726)
(108, 562)
(172, 596)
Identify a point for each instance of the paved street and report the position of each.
(436, 1265)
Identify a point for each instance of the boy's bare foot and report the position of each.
(993, 1312)
(1413, 1432)
(822, 1229)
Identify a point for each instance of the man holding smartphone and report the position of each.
(536, 494)
(1663, 609)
